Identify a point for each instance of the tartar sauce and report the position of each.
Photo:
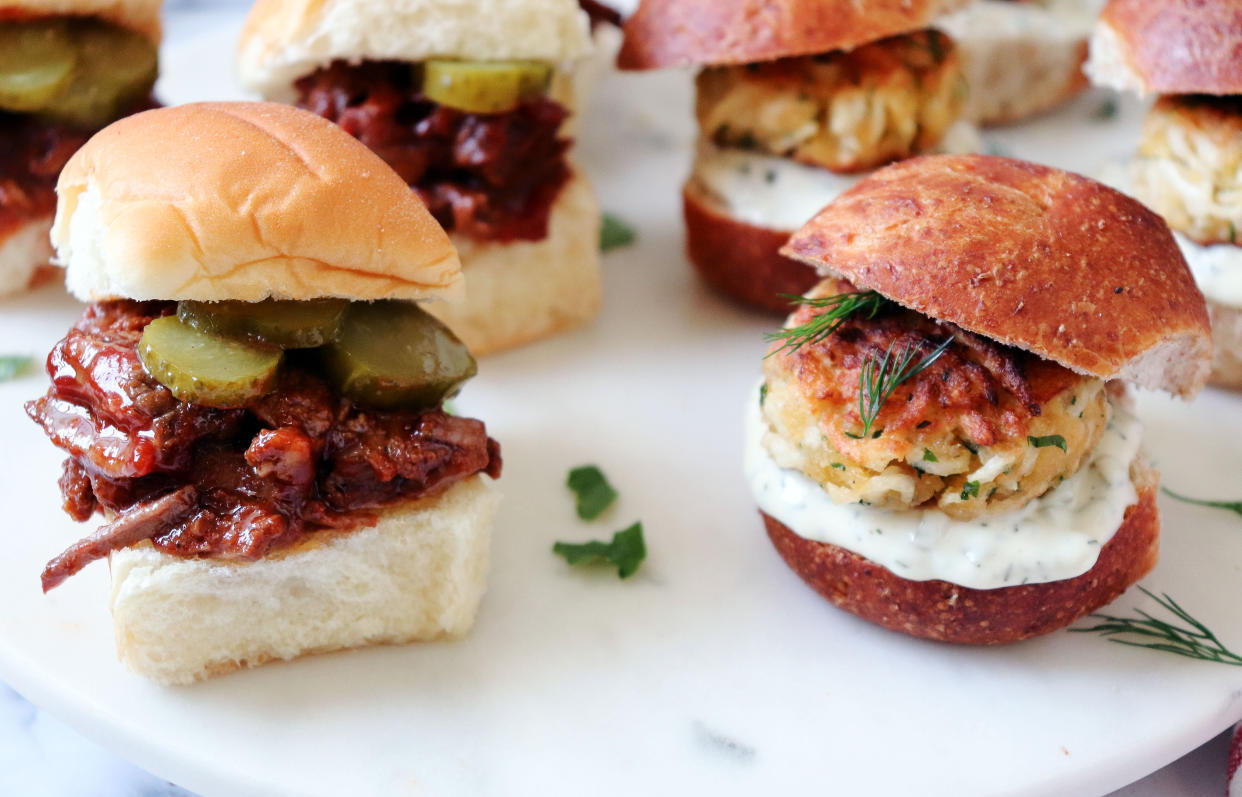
(1216, 267)
(1054, 537)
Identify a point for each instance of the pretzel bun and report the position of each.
(1027, 255)
(665, 33)
(245, 201)
(1168, 47)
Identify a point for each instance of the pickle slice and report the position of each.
(289, 325)
(115, 68)
(36, 61)
(484, 86)
(393, 355)
(201, 368)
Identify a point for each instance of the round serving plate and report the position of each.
(714, 669)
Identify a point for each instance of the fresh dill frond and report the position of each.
(1190, 638)
(1232, 506)
(836, 309)
(879, 379)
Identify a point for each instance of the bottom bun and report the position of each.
(417, 575)
(951, 613)
(522, 291)
(25, 252)
(1227, 341)
(740, 259)
(1020, 59)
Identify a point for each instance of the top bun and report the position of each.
(246, 201)
(664, 33)
(142, 16)
(1028, 255)
(284, 40)
(1169, 47)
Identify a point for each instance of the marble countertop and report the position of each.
(42, 757)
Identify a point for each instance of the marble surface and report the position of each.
(42, 757)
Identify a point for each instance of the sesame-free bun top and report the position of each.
(245, 201)
(665, 33)
(142, 16)
(1169, 47)
(1027, 255)
(284, 40)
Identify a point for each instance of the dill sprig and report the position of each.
(881, 377)
(837, 309)
(1192, 639)
(1232, 506)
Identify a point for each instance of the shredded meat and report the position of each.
(298, 459)
(32, 153)
(487, 176)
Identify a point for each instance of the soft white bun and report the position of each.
(284, 40)
(245, 201)
(520, 291)
(416, 576)
(139, 15)
(1020, 58)
(23, 249)
(1227, 342)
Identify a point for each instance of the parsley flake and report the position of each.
(1232, 506)
(928, 456)
(594, 492)
(1048, 440)
(12, 366)
(615, 234)
(970, 490)
(626, 551)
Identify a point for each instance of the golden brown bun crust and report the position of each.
(1179, 46)
(1027, 255)
(142, 16)
(246, 201)
(741, 260)
(664, 33)
(951, 613)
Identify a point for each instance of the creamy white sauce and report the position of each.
(1216, 267)
(782, 194)
(1054, 537)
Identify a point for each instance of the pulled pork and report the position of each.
(490, 177)
(262, 477)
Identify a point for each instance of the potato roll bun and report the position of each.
(942, 442)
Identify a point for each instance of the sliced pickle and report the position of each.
(289, 325)
(115, 69)
(201, 368)
(392, 355)
(36, 62)
(484, 86)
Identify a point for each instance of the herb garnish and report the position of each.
(837, 309)
(1107, 110)
(1232, 506)
(970, 490)
(928, 456)
(12, 365)
(1047, 440)
(1192, 640)
(615, 233)
(594, 492)
(878, 380)
(763, 393)
(627, 551)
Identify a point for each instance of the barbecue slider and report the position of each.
(253, 399)
(942, 443)
(469, 103)
(1021, 57)
(795, 100)
(66, 70)
(1188, 166)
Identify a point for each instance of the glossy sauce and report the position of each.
(1216, 267)
(1055, 537)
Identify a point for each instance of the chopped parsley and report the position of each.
(838, 466)
(928, 456)
(1232, 506)
(615, 234)
(1048, 440)
(12, 366)
(1106, 111)
(970, 490)
(626, 551)
(594, 492)
(763, 393)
